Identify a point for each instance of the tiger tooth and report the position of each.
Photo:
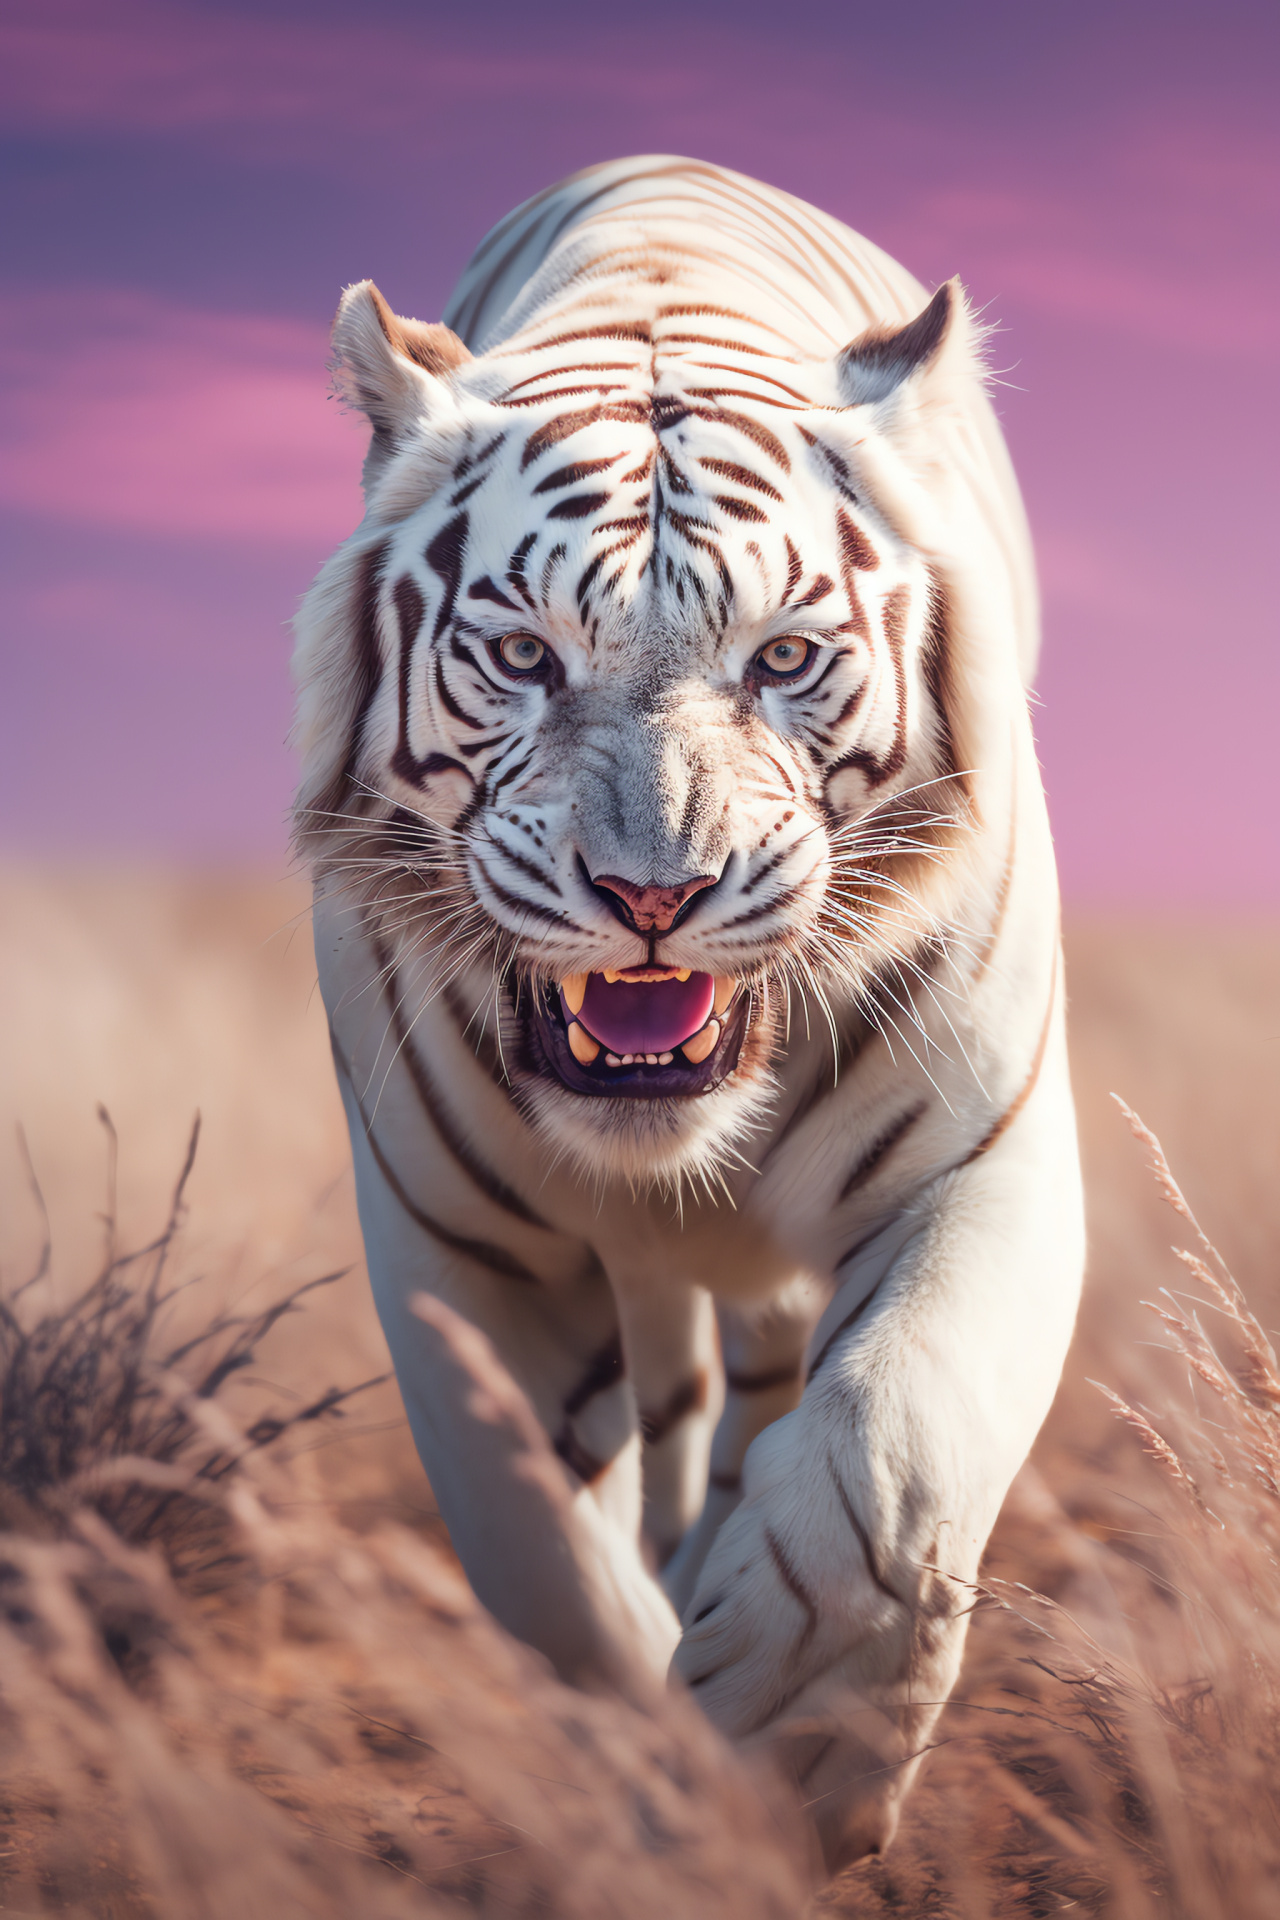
(726, 987)
(611, 976)
(574, 989)
(702, 1043)
(583, 1048)
(682, 973)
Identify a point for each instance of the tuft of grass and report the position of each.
(345, 1732)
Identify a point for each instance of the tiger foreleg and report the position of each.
(829, 1618)
(611, 1622)
(669, 1342)
(763, 1356)
(562, 1569)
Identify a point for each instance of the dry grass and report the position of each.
(239, 1672)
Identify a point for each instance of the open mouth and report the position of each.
(646, 1033)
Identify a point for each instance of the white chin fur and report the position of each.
(659, 1143)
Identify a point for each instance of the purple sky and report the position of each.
(189, 186)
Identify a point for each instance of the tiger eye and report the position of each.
(785, 656)
(521, 652)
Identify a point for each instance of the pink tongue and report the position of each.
(651, 1016)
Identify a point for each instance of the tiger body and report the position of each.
(687, 641)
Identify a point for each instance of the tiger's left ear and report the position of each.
(879, 364)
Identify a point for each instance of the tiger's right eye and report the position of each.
(521, 652)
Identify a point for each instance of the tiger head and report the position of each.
(626, 699)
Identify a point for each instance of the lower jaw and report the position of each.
(547, 1042)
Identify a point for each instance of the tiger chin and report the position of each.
(686, 917)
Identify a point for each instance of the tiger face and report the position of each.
(638, 720)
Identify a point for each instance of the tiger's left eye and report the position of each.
(785, 658)
(521, 652)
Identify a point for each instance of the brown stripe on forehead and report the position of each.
(575, 471)
(754, 373)
(607, 330)
(739, 509)
(701, 310)
(730, 470)
(552, 432)
(754, 430)
(578, 506)
(560, 373)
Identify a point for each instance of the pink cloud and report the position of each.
(150, 65)
(127, 412)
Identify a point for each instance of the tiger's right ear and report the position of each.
(387, 366)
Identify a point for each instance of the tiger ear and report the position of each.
(388, 366)
(878, 364)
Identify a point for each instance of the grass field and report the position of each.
(244, 1677)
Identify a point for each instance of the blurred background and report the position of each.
(190, 183)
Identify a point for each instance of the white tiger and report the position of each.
(687, 919)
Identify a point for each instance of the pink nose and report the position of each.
(649, 909)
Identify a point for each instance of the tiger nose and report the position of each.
(648, 909)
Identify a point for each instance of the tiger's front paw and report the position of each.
(795, 1641)
(790, 1588)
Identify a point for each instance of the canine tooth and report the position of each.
(574, 989)
(702, 1043)
(682, 973)
(665, 1059)
(583, 1048)
(726, 987)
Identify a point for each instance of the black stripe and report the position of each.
(604, 1370)
(850, 1319)
(483, 1252)
(451, 706)
(482, 1175)
(368, 651)
(864, 1538)
(485, 589)
(762, 1382)
(689, 1397)
(795, 1586)
(880, 1148)
(483, 1046)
